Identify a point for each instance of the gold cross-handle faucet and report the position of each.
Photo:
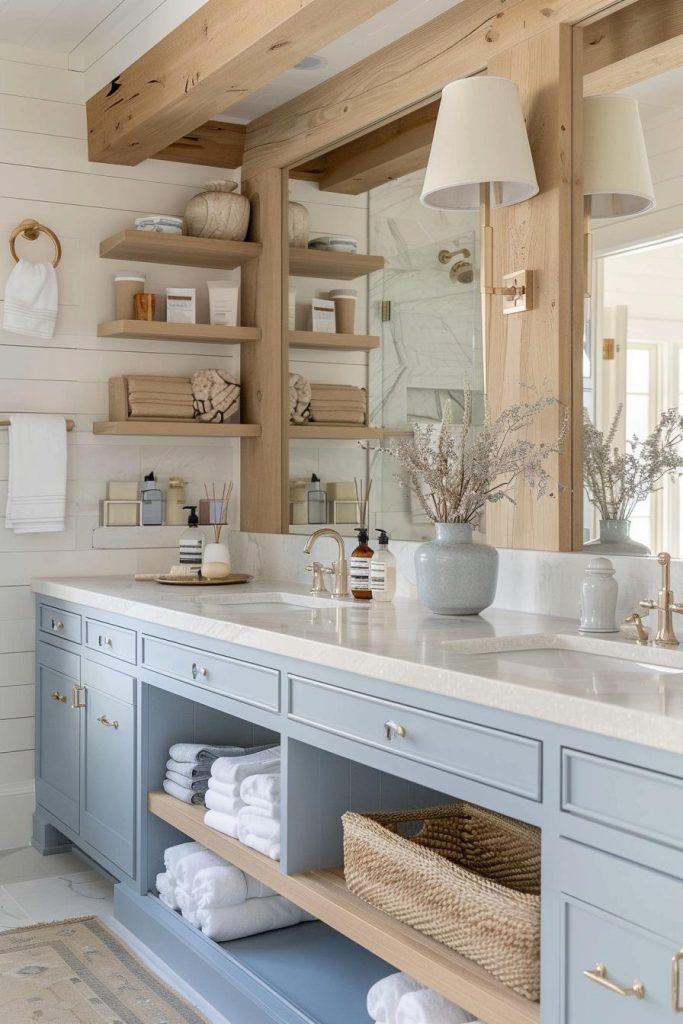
(665, 606)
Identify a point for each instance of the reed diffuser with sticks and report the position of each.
(216, 563)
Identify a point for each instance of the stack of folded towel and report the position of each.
(188, 768)
(338, 403)
(399, 999)
(245, 809)
(160, 397)
(220, 899)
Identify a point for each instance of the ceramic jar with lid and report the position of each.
(218, 212)
(598, 603)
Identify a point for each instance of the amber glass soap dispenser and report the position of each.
(360, 567)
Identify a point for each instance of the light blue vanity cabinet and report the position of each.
(57, 734)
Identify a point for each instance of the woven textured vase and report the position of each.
(218, 212)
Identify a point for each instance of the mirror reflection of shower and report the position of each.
(462, 271)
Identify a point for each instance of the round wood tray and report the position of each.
(189, 581)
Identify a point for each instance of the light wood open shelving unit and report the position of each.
(178, 250)
(335, 342)
(325, 895)
(339, 266)
(212, 334)
(174, 428)
(343, 432)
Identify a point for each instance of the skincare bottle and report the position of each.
(383, 570)
(175, 502)
(317, 503)
(152, 498)
(191, 541)
(359, 567)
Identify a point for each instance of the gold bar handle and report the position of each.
(56, 695)
(103, 720)
(676, 982)
(599, 976)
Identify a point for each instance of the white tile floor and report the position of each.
(34, 889)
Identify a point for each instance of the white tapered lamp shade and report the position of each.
(616, 170)
(480, 138)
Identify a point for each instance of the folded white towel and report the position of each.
(174, 854)
(259, 832)
(386, 994)
(268, 847)
(31, 299)
(261, 790)
(188, 796)
(201, 753)
(190, 769)
(229, 789)
(428, 1007)
(225, 804)
(166, 889)
(250, 918)
(225, 823)
(259, 821)
(36, 489)
(236, 769)
(199, 785)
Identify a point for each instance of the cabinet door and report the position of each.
(108, 777)
(57, 747)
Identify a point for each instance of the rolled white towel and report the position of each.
(261, 790)
(229, 789)
(225, 823)
(188, 796)
(428, 1007)
(216, 801)
(218, 887)
(174, 854)
(188, 867)
(187, 906)
(166, 888)
(386, 994)
(236, 769)
(250, 918)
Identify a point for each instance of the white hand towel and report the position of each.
(428, 1007)
(187, 869)
(187, 907)
(225, 823)
(259, 832)
(196, 785)
(268, 847)
(190, 769)
(188, 796)
(386, 994)
(219, 886)
(229, 789)
(31, 299)
(259, 821)
(225, 804)
(236, 769)
(174, 854)
(250, 918)
(36, 491)
(166, 889)
(271, 813)
(261, 790)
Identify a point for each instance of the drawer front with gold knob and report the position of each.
(114, 641)
(58, 623)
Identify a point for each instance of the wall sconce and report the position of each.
(479, 158)
(616, 171)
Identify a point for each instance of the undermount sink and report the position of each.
(276, 600)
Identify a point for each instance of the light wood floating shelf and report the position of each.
(324, 894)
(178, 250)
(340, 266)
(213, 334)
(175, 428)
(322, 431)
(339, 342)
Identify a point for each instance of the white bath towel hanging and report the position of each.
(36, 489)
(31, 299)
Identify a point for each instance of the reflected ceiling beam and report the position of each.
(380, 156)
(222, 53)
(627, 32)
(214, 144)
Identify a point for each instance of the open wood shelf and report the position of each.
(178, 250)
(339, 266)
(339, 432)
(175, 428)
(162, 331)
(339, 342)
(325, 895)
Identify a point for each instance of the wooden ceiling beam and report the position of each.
(629, 30)
(214, 144)
(222, 53)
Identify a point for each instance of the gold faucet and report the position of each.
(665, 606)
(339, 568)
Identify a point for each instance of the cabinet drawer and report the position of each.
(66, 625)
(108, 681)
(620, 796)
(490, 756)
(251, 684)
(115, 641)
(57, 658)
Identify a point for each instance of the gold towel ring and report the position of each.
(31, 229)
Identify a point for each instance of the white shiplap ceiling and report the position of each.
(57, 26)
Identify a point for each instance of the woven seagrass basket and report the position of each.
(464, 876)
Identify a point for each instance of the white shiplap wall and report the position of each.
(44, 173)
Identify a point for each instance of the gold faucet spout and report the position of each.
(665, 606)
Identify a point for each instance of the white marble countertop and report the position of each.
(623, 690)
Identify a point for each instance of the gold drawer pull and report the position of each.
(56, 624)
(392, 729)
(56, 695)
(199, 670)
(676, 982)
(103, 720)
(599, 976)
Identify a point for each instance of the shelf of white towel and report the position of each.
(325, 895)
(175, 428)
(342, 432)
(157, 330)
(336, 342)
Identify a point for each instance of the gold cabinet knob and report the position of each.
(56, 695)
(56, 625)
(103, 720)
(199, 670)
(105, 641)
(392, 729)
(599, 976)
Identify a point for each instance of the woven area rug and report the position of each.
(79, 972)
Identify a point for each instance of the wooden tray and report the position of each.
(189, 581)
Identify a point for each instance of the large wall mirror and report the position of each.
(633, 342)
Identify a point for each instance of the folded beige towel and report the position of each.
(341, 406)
(341, 391)
(158, 410)
(165, 385)
(341, 417)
